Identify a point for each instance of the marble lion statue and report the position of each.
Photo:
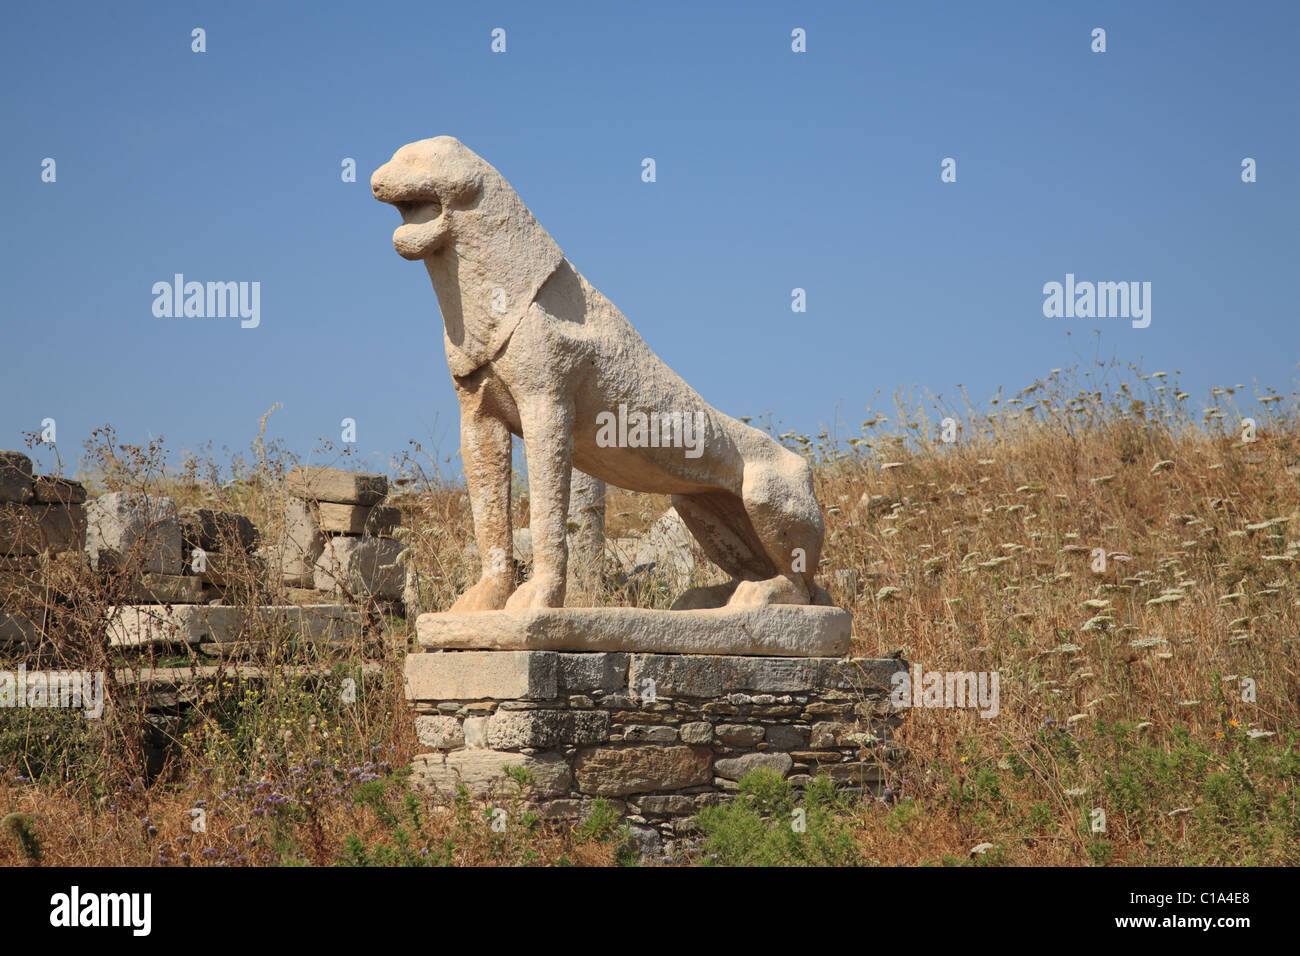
(536, 351)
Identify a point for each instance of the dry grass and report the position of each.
(1121, 686)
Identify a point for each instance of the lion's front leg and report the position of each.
(485, 453)
(548, 443)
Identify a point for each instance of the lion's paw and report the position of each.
(777, 590)
(489, 594)
(537, 593)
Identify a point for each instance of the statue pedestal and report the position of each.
(562, 695)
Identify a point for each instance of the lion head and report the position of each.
(485, 252)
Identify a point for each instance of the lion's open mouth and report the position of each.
(423, 227)
(419, 210)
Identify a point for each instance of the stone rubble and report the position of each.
(42, 534)
(338, 535)
(196, 573)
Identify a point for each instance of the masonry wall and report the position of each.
(660, 736)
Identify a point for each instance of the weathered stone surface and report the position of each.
(696, 675)
(336, 518)
(697, 732)
(670, 804)
(817, 756)
(17, 629)
(649, 734)
(34, 528)
(619, 771)
(787, 736)
(335, 485)
(516, 729)
(138, 624)
(303, 544)
(480, 675)
(440, 733)
(306, 596)
(830, 734)
(364, 566)
(581, 673)
(739, 735)
(828, 709)
(484, 769)
(168, 589)
(647, 840)
(15, 477)
(227, 570)
(128, 529)
(576, 809)
(476, 729)
(31, 580)
(135, 625)
(733, 768)
(58, 491)
(492, 710)
(774, 630)
(508, 296)
(221, 531)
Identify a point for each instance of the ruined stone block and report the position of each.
(15, 477)
(31, 529)
(59, 491)
(168, 589)
(136, 531)
(217, 531)
(302, 545)
(336, 518)
(361, 567)
(336, 485)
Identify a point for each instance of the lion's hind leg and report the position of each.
(720, 524)
(783, 512)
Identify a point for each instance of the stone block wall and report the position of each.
(42, 533)
(190, 576)
(338, 536)
(660, 736)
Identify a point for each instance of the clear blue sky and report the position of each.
(775, 170)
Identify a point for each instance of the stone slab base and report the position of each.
(659, 736)
(778, 630)
(135, 625)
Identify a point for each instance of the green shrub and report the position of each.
(767, 826)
